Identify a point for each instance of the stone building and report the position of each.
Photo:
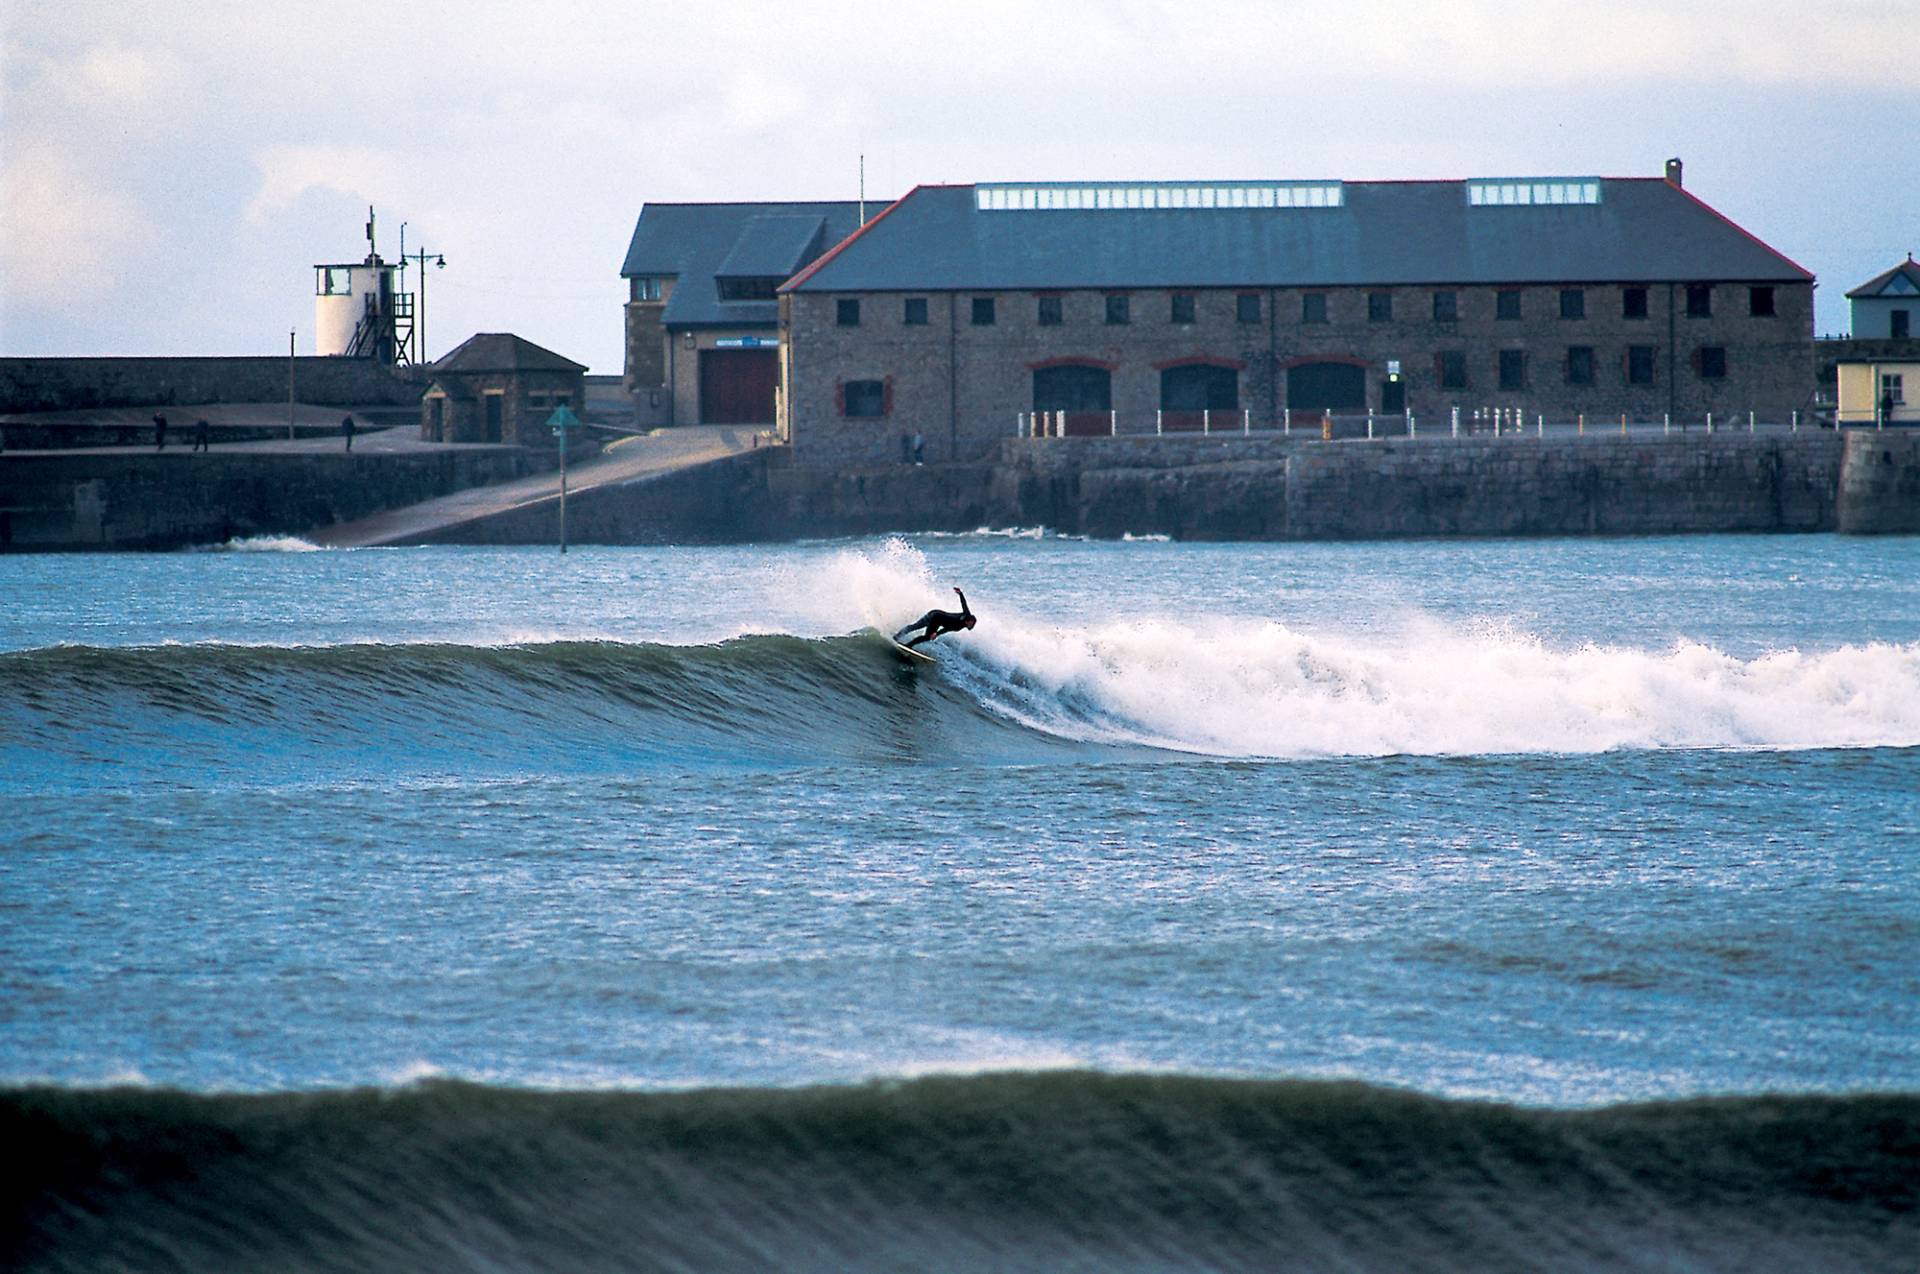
(498, 387)
(702, 322)
(1171, 305)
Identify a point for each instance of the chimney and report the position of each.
(1673, 172)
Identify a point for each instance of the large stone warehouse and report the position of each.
(1173, 304)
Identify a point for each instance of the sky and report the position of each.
(171, 170)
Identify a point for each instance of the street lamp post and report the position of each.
(420, 310)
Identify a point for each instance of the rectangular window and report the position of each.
(1633, 303)
(1453, 369)
(1379, 307)
(1573, 303)
(1760, 302)
(1246, 307)
(1181, 309)
(865, 399)
(983, 311)
(1579, 364)
(1713, 362)
(1513, 369)
(1900, 325)
(1506, 304)
(645, 288)
(1446, 307)
(747, 289)
(1640, 364)
(914, 311)
(1119, 310)
(1050, 311)
(847, 312)
(1893, 389)
(1313, 307)
(1699, 300)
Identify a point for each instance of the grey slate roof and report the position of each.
(1878, 283)
(502, 352)
(1385, 233)
(695, 242)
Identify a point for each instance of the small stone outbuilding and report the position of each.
(498, 387)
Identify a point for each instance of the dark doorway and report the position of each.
(1327, 387)
(1084, 393)
(494, 423)
(737, 386)
(1393, 396)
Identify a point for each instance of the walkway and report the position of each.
(628, 460)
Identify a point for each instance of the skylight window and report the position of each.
(1505, 192)
(1078, 196)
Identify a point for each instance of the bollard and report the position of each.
(1113, 423)
(1326, 426)
(1666, 423)
(1580, 424)
(1540, 425)
(1286, 422)
(1749, 422)
(1796, 420)
(1246, 420)
(1623, 424)
(1456, 422)
(1206, 421)
(1157, 431)
(1709, 423)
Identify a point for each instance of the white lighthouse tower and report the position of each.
(357, 311)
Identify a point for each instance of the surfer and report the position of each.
(936, 622)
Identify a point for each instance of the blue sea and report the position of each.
(1467, 905)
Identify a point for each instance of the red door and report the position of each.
(737, 386)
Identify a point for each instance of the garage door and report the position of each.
(737, 386)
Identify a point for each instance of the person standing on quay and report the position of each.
(200, 436)
(346, 427)
(159, 432)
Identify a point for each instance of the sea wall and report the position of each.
(73, 384)
(144, 500)
(1880, 482)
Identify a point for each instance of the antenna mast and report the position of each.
(863, 189)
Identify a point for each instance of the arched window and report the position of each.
(1072, 387)
(1199, 387)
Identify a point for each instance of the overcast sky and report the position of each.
(170, 170)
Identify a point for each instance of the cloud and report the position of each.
(64, 233)
(370, 173)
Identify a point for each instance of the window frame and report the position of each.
(1509, 299)
(913, 311)
(846, 311)
(1178, 302)
(1631, 311)
(1711, 362)
(984, 305)
(1762, 302)
(1652, 353)
(1379, 307)
(1313, 307)
(1517, 359)
(1699, 300)
(1573, 303)
(1446, 305)
(1049, 311)
(1450, 368)
(873, 392)
(1576, 355)
(1119, 307)
(1242, 311)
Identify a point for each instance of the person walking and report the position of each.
(346, 427)
(200, 436)
(159, 432)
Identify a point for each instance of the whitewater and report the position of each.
(1425, 905)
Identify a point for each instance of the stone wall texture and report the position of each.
(960, 385)
(71, 384)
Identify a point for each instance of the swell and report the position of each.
(1059, 1170)
(180, 711)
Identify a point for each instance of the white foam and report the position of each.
(264, 544)
(1243, 687)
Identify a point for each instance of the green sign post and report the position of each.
(560, 421)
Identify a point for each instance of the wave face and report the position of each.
(1055, 1171)
(1014, 693)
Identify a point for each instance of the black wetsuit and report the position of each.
(936, 622)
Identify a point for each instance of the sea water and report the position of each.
(1384, 905)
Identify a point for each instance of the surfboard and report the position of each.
(907, 653)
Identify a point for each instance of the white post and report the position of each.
(1709, 422)
(1369, 426)
(1157, 430)
(1749, 422)
(1206, 420)
(1019, 424)
(1246, 420)
(1540, 424)
(1410, 429)
(1286, 422)
(1113, 423)
(1666, 423)
(1796, 420)
(1456, 421)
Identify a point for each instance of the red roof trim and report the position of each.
(1743, 230)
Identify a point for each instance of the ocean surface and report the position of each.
(1408, 906)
